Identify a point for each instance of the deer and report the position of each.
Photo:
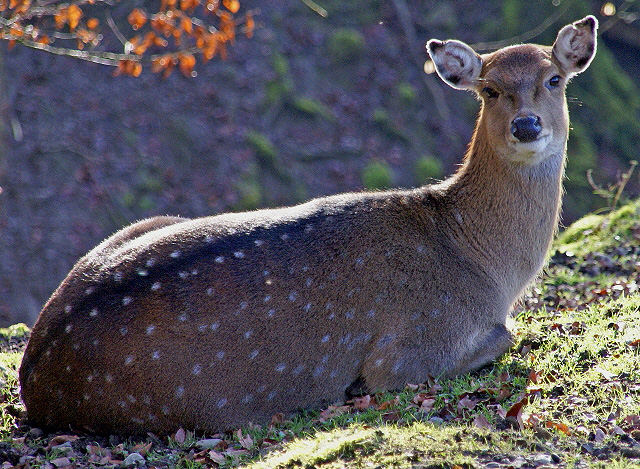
(212, 323)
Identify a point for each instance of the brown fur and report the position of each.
(214, 322)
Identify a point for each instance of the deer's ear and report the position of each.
(575, 45)
(456, 63)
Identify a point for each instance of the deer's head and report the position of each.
(524, 113)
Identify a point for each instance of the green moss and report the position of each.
(281, 87)
(384, 122)
(377, 175)
(345, 45)
(406, 92)
(427, 168)
(312, 108)
(263, 148)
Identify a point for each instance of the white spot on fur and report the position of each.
(325, 339)
(179, 391)
(90, 378)
(421, 248)
(280, 367)
(284, 237)
(67, 369)
(165, 410)
(317, 371)
(156, 286)
(271, 395)
(379, 361)
(331, 316)
(271, 312)
(209, 291)
(137, 421)
(253, 354)
(95, 342)
(243, 305)
(292, 296)
(68, 328)
(248, 334)
(128, 360)
(89, 291)
(123, 330)
(298, 369)
(150, 329)
(215, 326)
(325, 359)
(371, 313)
(265, 273)
(197, 368)
(267, 298)
(203, 327)
(155, 355)
(208, 239)
(308, 228)
(175, 254)
(108, 378)
(182, 317)
(458, 217)
(222, 402)
(219, 259)
(126, 300)
(150, 262)
(194, 272)
(359, 262)
(307, 307)
(258, 242)
(143, 272)
(220, 355)
(67, 309)
(239, 254)
(117, 276)
(182, 274)
(247, 398)
(349, 314)
(131, 398)
(308, 282)
(93, 313)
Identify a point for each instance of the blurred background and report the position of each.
(311, 105)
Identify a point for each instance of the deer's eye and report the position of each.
(490, 92)
(553, 82)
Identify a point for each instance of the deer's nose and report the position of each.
(526, 129)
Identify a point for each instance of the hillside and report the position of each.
(567, 395)
(311, 106)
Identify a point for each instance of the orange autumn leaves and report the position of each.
(178, 35)
(175, 24)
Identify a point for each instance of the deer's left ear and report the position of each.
(575, 45)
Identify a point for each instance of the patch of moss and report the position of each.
(345, 45)
(427, 168)
(383, 120)
(312, 108)
(377, 175)
(406, 92)
(16, 331)
(263, 148)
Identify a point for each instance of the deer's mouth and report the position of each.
(531, 151)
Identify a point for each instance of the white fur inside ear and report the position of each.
(575, 45)
(456, 63)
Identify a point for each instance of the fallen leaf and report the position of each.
(558, 426)
(481, 421)
(180, 436)
(466, 403)
(332, 411)
(599, 436)
(217, 458)
(142, 448)
(277, 419)
(390, 403)
(60, 462)
(362, 403)
(58, 440)
(245, 442)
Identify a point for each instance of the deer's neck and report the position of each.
(504, 214)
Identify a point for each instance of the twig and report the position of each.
(114, 27)
(316, 8)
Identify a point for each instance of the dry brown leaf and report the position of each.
(558, 426)
(481, 421)
(362, 403)
(466, 403)
(58, 440)
(217, 458)
(277, 419)
(245, 442)
(427, 404)
(142, 448)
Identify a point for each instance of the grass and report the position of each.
(566, 395)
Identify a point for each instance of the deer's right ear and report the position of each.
(456, 63)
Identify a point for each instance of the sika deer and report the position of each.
(214, 322)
